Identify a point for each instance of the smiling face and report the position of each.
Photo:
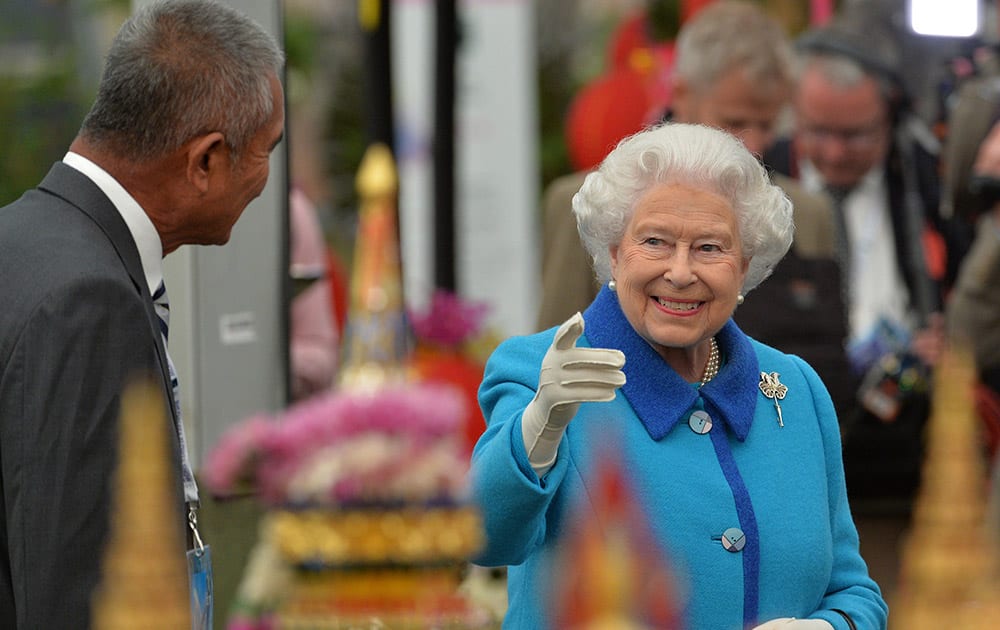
(679, 268)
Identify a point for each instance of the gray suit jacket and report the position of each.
(76, 324)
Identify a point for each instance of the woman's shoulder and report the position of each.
(772, 359)
(530, 339)
(528, 345)
(796, 374)
(814, 219)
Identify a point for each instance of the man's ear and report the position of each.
(205, 156)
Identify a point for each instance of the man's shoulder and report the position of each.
(813, 215)
(43, 239)
(779, 157)
(564, 187)
(40, 216)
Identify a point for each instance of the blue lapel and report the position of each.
(659, 396)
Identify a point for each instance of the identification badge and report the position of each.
(890, 382)
(199, 562)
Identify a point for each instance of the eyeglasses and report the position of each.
(859, 138)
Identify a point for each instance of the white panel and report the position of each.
(496, 154)
(413, 101)
(497, 161)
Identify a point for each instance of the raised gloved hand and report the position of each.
(569, 376)
(791, 623)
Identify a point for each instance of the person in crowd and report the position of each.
(971, 161)
(314, 338)
(734, 69)
(855, 138)
(974, 305)
(681, 222)
(973, 313)
(567, 283)
(174, 147)
(631, 94)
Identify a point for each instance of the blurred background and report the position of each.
(483, 102)
(53, 51)
(562, 50)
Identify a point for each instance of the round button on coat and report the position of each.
(700, 422)
(733, 539)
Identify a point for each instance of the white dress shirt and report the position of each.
(875, 288)
(147, 241)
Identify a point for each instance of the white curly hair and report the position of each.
(694, 155)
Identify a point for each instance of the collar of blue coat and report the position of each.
(659, 396)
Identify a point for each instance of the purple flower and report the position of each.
(449, 320)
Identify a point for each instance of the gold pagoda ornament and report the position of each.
(145, 581)
(949, 570)
(377, 342)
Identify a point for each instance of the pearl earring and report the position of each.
(739, 299)
(612, 284)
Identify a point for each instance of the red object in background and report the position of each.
(633, 34)
(605, 111)
(935, 253)
(634, 93)
(821, 11)
(451, 366)
(444, 332)
(337, 277)
(610, 571)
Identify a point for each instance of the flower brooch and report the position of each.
(772, 388)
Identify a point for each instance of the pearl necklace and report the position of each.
(712, 367)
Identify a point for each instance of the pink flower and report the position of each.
(232, 461)
(269, 452)
(449, 320)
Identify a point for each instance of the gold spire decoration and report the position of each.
(377, 340)
(949, 571)
(369, 14)
(145, 576)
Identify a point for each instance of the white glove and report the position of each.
(791, 623)
(569, 376)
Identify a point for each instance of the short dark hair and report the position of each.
(180, 68)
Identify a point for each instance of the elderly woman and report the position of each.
(731, 447)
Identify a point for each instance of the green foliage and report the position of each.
(302, 39)
(664, 19)
(346, 140)
(40, 115)
(555, 93)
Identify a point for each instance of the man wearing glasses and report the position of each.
(856, 139)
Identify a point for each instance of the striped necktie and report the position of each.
(843, 240)
(162, 305)
(843, 243)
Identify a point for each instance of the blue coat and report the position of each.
(782, 487)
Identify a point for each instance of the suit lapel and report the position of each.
(83, 194)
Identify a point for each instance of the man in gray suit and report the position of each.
(174, 148)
